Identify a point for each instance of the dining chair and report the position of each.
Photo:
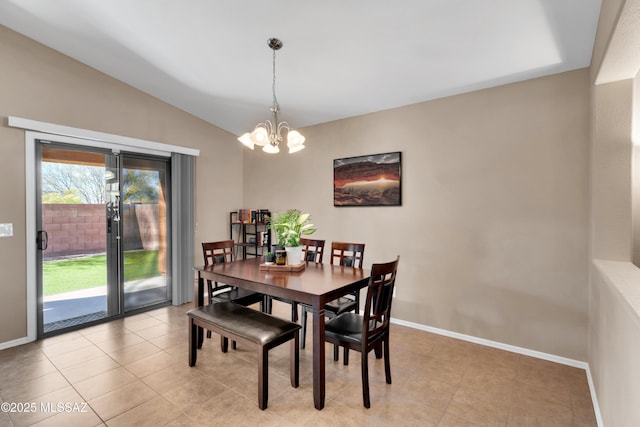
(370, 330)
(348, 255)
(219, 252)
(312, 251)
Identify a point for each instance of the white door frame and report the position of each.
(36, 130)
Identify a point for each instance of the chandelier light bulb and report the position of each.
(260, 136)
(271, 149)
(246, 140)
(294, 138)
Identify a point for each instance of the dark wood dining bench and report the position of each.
(251, 327)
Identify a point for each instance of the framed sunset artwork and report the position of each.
(373, 180)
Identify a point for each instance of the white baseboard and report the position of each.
(594, 399)
(514, 349)
(14, 343)
(495, 344)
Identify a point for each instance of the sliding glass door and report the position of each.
(103, 237)
(145, 222)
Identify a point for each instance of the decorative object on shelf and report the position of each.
(252, 216)
(269, 133)
(373, 180)
(289, 226)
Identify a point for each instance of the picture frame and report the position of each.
(370, 180)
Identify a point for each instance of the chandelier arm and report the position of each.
(283, 125)
(268, 126)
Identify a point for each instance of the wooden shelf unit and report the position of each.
(249, 229)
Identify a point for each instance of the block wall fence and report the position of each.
(77, 229)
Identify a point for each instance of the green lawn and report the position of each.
(89, 272)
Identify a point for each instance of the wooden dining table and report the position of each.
(315, 286)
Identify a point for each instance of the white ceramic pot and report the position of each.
(294, 255)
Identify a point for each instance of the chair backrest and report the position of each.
(377, 308)
(218, 252)
(313, 250)
(347, 254)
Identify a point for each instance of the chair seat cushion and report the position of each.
(348, 327)
(341, 305)
(288, 301)
(251, 324)
(237, 295)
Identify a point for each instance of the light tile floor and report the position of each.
(134, 372)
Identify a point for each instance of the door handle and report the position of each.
(42, 240)
(113, 213)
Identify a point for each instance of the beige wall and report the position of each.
(493, 227)
(611, 171)
(614, 341)
(40, 84)
(614, 304)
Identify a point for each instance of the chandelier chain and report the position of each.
(275, 106)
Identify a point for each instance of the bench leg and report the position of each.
(193, 342)
(294, 368)
(263, 377)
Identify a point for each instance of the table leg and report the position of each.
(199, 303)
(318, 357)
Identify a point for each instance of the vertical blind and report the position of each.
(182, 185)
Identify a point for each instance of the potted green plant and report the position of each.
(269, 258)
(289, 226)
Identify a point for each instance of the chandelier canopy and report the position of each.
(268, 134)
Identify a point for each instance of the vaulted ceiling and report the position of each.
(340, 58)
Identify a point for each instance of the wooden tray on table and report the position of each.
(274, 267)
